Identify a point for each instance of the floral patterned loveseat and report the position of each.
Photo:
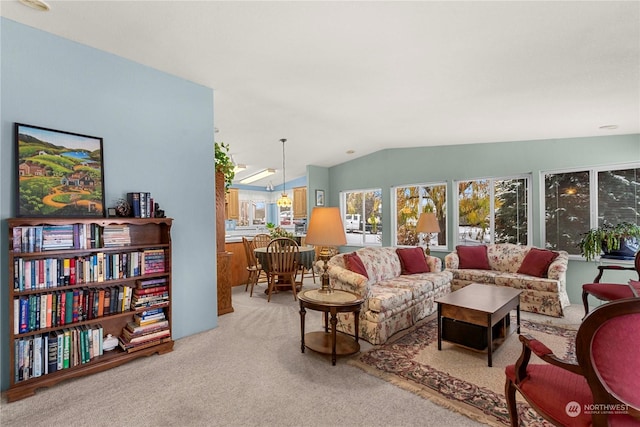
(393, 301)
(544, 293)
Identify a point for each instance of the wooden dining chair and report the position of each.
(261, 240)
(253, 266)
(283, 255)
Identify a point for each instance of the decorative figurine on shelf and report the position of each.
(123, 208)
(158, 213)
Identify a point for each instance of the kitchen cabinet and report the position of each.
(299, 202)
(232, 204)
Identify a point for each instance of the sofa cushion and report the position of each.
(388, 298)
(473, 257)
(477, 276)
(382, 263)
(537, 262)
(506, 257)
(354, 263)
(412, 260)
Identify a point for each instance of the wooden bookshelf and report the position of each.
(28, 326)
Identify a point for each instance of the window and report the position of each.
(259, 213)
(570, 198)
(285, 215)
(493, 210)
(252, 212)
(362, 216)
(410, 202)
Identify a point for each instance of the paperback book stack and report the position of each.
(152, 261)
(148, 328)
(116, 235)
(149, 293)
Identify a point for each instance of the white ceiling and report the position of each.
(365, 76)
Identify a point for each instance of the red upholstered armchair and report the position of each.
(611, 291)
(602, 389)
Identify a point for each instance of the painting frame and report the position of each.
(319, 197)
(58, 173)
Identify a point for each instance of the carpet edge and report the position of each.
(437, 399)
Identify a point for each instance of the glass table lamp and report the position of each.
(325, 230)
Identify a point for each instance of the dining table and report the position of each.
(307, 256)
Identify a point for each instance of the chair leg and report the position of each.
(585, 296)
(246, 285)
(254, 279)
(313, 272)
(293, 285)
(271, 281)
(510, 395)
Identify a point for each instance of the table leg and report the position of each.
(518, 316)
(356, 322)
(439, 327)
(326, 321)
(489, 340)
(334, 323)
(303, 312)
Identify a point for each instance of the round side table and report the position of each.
(329, 342)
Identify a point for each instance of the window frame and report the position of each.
(593, 194)
(394, 214)
(528, 177)
(343, 213)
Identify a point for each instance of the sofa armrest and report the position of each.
(451, 261)
(558, 268)
(347, 280)
(434, 263)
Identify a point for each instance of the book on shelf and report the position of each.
(115, 235)
(130, 338)
(149, 283)
(131, 348)
(152, 261)
(136, 328)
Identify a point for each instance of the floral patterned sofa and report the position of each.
(393, 301)
(541, 274)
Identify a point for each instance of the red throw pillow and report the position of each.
(412, 260)
(473, 257)
(354, 263)
(537, 262)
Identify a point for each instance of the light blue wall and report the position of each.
(158, 137)
(392, 167)
(318, 179)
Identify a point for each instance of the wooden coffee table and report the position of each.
(474, 309)
(329, 342)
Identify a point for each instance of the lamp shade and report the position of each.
(427, 223)
(325, 227)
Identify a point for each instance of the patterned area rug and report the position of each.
(459, 378)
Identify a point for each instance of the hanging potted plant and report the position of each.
(616, 241)
(224, 164)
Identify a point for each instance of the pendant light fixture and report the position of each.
(284, 201)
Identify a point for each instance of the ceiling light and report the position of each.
(37, 5)
(350, 151)
(262, 174)
(284, 201)
(609, 127)
(239, 167)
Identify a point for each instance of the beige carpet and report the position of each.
(459, 378)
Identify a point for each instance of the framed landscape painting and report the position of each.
(58, 174)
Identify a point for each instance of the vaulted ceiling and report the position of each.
(334, 77)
